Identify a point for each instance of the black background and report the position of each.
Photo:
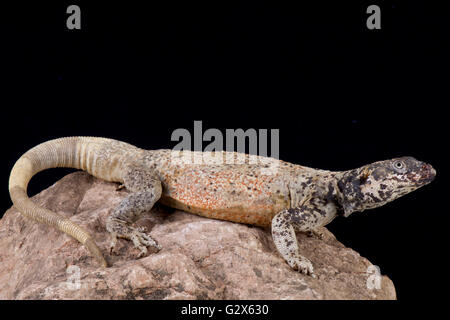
(341, 95)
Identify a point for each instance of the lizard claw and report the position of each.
(142, 240)
(302, 265)
(316, 234)
(113, 243)
(120, 187)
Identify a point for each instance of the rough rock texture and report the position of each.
(201, 258)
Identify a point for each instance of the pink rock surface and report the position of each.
(201, 258)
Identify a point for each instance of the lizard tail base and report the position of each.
(51, 154)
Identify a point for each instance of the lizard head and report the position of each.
(378, 183)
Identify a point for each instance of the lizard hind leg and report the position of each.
(145, 191)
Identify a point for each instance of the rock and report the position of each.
(201, 258)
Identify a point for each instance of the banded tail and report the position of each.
(72, 152)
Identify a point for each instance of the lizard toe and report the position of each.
(141, 241)
(112, 244)
(304, 266)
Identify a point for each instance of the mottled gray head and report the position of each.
(374, 185)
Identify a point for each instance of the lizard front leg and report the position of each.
(284, 225)
(145, 191)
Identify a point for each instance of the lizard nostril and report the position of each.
(428, 171)
(427, 168)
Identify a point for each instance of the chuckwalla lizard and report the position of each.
(261, 191)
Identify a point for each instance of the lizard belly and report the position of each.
(227, 195)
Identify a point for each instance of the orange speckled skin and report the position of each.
(243, 193)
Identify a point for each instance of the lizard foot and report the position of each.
(302, 265)
(316, 234)
(142, 240)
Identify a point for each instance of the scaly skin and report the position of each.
(251, 189)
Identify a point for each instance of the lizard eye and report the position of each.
(398, 165)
